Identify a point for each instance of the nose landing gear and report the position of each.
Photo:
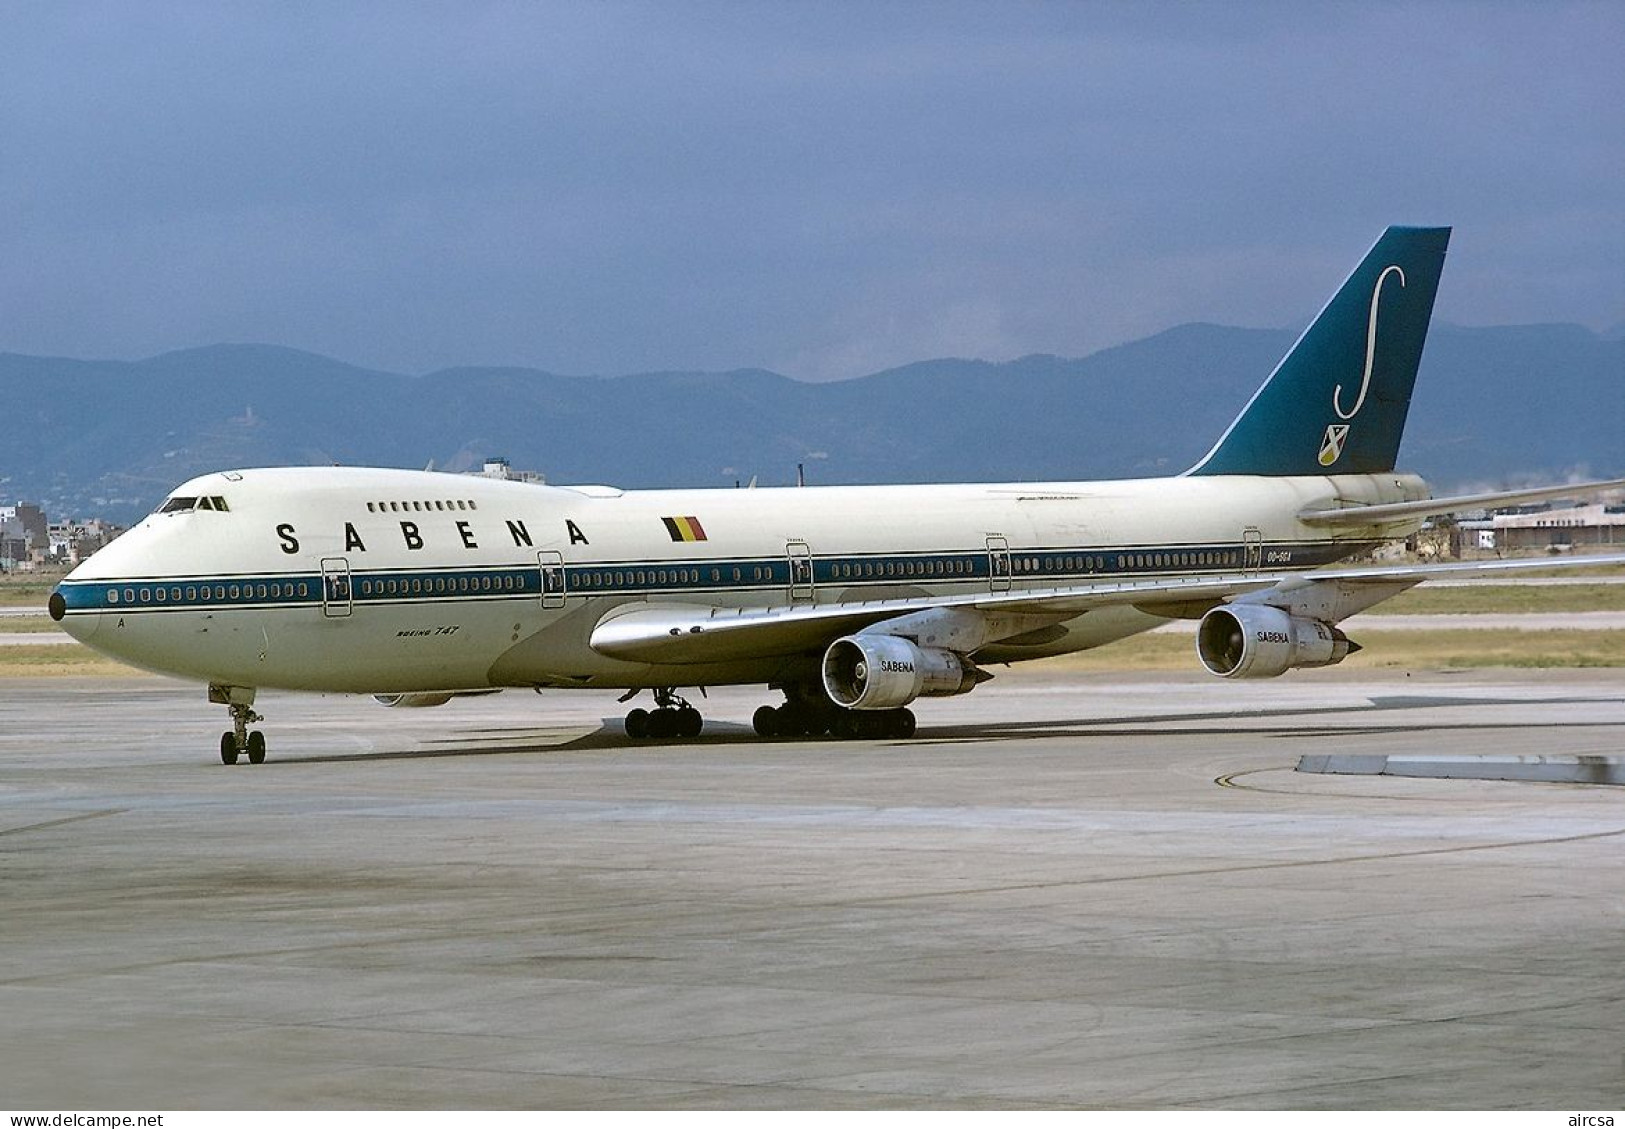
(238, 741)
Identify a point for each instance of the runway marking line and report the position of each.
(60, 822)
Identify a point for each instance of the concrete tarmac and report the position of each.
(1068, 890)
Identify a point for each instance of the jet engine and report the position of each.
(413, 701)
(1257, 641)
(883, 672)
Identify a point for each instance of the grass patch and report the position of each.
(1503, 599)
(53, 659)
(30, 593)
(27, 624)
(1384, 650)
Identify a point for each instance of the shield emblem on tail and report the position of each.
(1331, 447)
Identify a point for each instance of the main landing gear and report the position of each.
(238, 741)
(808, 712)
(671, 717)
(794, 720)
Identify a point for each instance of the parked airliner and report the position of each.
(852, 601)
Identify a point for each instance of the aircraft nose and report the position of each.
(81, 625)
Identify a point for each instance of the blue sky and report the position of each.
(821, 189)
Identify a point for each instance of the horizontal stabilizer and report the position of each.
(1400, 511)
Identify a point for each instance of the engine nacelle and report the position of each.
(1257, 641)
(413, 701)
(883, 672)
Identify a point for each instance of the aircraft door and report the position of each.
(336, 600)
(998, 564)
(552, 568)
(1252, 543)
(801, 571)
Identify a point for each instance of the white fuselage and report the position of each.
(385, 581)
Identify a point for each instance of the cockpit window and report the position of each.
(179, 504)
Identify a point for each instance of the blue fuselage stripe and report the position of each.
(1046, 567)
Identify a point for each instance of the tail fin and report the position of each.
(1337, 403)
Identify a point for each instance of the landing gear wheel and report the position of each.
(237, 740)
(637, 724)
(689, 722)
(903, 724)
(765, 721)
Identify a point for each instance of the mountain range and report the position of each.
(1493, 406)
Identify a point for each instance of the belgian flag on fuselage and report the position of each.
(1337, 403)
(684, 528)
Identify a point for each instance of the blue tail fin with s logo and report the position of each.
(1337, 403)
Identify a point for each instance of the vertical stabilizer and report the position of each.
(1337, 403)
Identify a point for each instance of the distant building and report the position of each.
(25, 537)
(1543, 529)
(1575, 527)
(30, 540)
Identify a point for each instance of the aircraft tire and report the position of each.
(637, 724)
(765, 721)
(256, 747)
(689, 722)
(228, 747)
(789, 721)
(662, 724)
(903, 723)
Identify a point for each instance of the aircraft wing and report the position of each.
(695, 633)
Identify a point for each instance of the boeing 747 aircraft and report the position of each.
(852, 601)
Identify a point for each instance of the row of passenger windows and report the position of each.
(668, 576)
(205, 593)
(443, 584)
(1201, 559)
(865, 570)
(419, 507)
(873, 569)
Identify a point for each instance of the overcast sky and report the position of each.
(821, 189)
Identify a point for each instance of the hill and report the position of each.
(110, 438)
